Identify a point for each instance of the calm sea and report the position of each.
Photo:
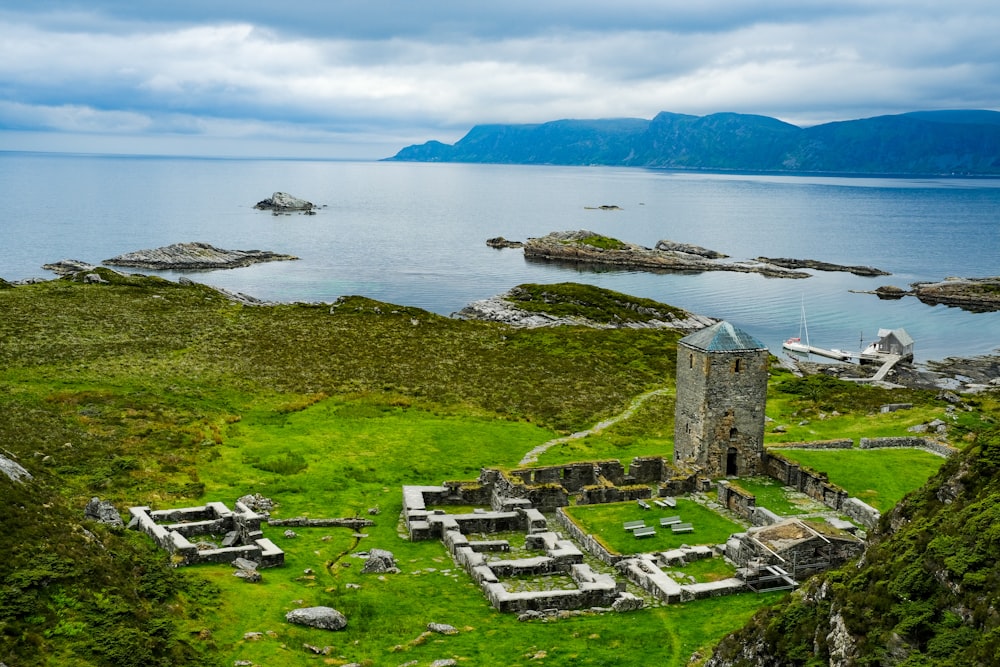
(414, 234)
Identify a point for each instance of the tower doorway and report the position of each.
(732, 462)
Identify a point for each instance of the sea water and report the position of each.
(414, 234)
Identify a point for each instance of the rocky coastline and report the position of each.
(504, 308)
(978, 295)
(587, 247)
(194, 257)
(789, 263)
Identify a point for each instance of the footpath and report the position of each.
(532, 456)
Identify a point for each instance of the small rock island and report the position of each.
(588, 247)
(194, 257)
(978, 295)
(282, 202)
(822, 266)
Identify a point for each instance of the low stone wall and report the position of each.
(737, 500)
(644, 573)
(933, 446)
(813, 484)
(861, 512)
(764, 517)
(647, 470)
(843, 443)
(211, 519)
(602, 493)
(712, 589)
(593, 590)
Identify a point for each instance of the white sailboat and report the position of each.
(796, 344)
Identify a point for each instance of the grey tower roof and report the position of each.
(722, 337)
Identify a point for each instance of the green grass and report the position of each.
(605, 522)
(780, 499)
(592, 303)
(599, 241)
(880, 477)
(820, 407)
(704, 571)
(146, 392)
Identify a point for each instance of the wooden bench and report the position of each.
(632, 525)
(682, 528)
(670, 501)
(669, 520)
(643, 504)
(645, 531)
(659, 503)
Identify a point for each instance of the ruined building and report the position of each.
(721, 394)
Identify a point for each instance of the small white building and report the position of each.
(892, 341)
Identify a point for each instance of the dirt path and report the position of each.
(532, 456)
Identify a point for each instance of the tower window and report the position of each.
(690, 361)
(738, 365)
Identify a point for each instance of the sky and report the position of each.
(361, 79)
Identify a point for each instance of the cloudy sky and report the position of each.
(363, 78)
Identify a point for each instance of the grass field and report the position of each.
(880, 477)
(606, 521)
(779, 499)
(145, 392)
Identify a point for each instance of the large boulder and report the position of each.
(324, 618)
(380, 561)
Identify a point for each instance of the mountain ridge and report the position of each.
(962, 142)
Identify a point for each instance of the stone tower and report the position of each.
(721, 394)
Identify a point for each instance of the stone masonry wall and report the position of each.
(737, 500)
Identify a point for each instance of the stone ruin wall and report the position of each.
(928, 444)
(171, 530)
(737, 500)
(813, 484)
(594, 482)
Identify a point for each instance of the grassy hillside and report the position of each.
(146, 392)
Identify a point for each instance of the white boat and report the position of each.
(795, 344)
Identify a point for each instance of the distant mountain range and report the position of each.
(960, 142)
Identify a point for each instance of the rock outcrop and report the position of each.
(67, 267)
(194, 257)
(501, 242)
(13, 470)
(979, 295)
(282, 202)
(667, 245)
(789, 263)
(590, 248)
